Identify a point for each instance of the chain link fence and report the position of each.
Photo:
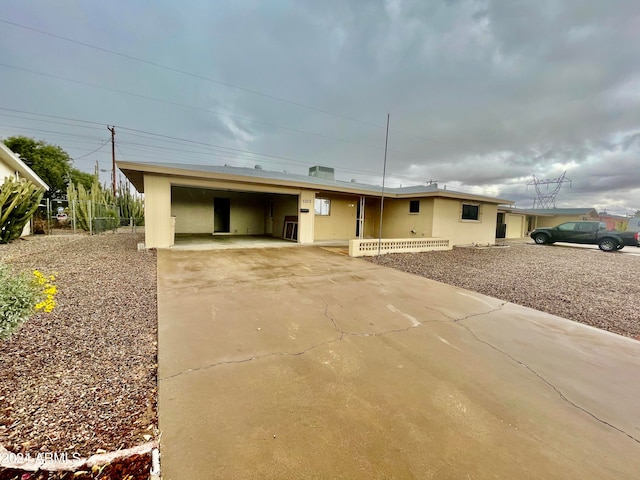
(59, 216)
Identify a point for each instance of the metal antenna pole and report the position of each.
(384, 174)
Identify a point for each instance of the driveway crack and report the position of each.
(541, 378)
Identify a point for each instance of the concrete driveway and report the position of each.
(303, 363)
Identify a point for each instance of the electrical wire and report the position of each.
(208, 79)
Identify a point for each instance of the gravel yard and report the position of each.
(82, 378)
(589, 286)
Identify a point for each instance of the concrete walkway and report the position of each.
(303, 363)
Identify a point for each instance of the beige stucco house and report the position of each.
(12, 166)
(224, 200)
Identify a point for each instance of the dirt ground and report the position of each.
(82, 378)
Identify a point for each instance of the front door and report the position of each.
(221, 215)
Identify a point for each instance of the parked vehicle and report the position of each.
(591, 233)
(633, 225)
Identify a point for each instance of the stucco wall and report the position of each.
(157, 211)
(558, 219)
(193, 209)
(515, 225)
(5, 171)
(447, 223)
(340, 224)
(398, 222)
(283, 205)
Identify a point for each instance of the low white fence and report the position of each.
(369, 247)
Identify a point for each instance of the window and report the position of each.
(414, 206)
(323, 206)
(569, 226)
(470, 212)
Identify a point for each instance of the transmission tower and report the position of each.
(548, 199)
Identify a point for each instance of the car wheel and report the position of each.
(541, 239)
(608, 245)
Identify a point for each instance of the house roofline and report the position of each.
(135, 171)
(18, 165)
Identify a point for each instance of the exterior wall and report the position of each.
(515, 225)
(283, 206)
(615, 222)
(193, 209)
(6, 171)
(447, 223)
(340, 224)
(247, 213)
(306, 220)
(543, 222)
(398, 222)
(157, 211)
(371, 217)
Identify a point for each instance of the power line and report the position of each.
(177, 104)
(256, 156)
(94, 151)
(190, 74)
(208, 79)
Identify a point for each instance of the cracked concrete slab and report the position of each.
(301, 363)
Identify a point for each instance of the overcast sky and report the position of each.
(482, 95)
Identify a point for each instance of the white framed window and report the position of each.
(323, 206)
(470, 211)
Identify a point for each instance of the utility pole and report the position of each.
(113, 157)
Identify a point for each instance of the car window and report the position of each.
(567, 226)
(586, 227)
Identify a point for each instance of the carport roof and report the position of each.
(135, 171)
(549, 212)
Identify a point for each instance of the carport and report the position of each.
(199, 210)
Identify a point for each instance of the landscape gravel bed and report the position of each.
(81, 379)
(586, 285)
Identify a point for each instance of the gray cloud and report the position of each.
(482, 94)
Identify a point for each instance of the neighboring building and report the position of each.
(519, 222)
(12, 166)
(614, 222)
(245, 201)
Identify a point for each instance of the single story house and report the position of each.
(225, 200)
(12, 166)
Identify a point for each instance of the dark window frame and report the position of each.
(414, 206)
(470, 212)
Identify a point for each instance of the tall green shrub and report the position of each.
(19, 200)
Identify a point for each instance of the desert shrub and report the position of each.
(21, 295)
(19, 200)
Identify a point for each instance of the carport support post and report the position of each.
(306, 218)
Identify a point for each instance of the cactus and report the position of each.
(19, 200)
(96, 203)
